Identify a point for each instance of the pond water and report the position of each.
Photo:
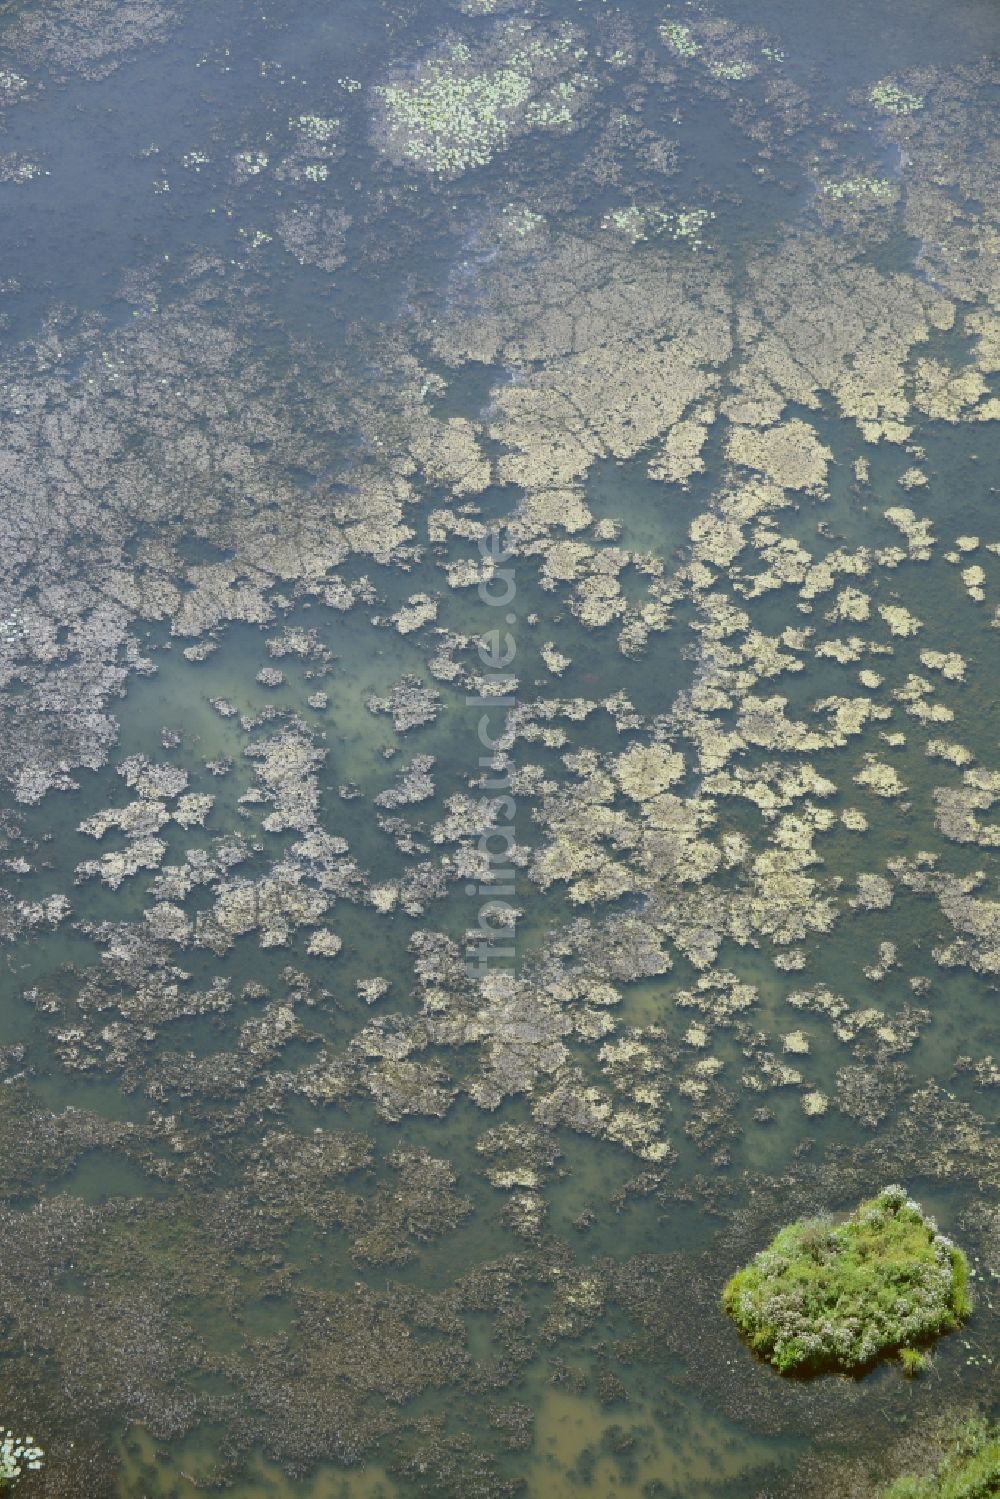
(498, 731)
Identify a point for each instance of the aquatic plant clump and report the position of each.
(636, 223)
(858, 187)
(17, 1454)
(462, 108)
(679, 38)
(971, 1470)
(827, 1296)
(893, 100)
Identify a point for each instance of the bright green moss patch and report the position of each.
(971, 1470)
(827, 1296)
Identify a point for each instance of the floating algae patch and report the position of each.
(497, 617)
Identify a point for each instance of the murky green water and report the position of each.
(499, 730)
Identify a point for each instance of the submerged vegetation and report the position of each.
(828, 1296)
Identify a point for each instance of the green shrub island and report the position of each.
(829, 1296)
(971, 1470)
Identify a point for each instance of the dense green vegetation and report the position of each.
(970, 1471)
(827, 1296)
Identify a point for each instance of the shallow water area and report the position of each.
(498, 737)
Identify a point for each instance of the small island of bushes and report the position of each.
(827, 1296)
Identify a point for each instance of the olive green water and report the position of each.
(692, 313)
